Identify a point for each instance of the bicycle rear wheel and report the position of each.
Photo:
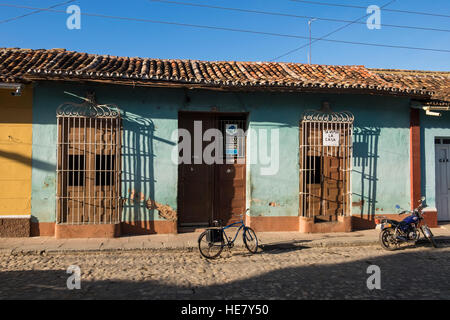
(250, 240)
(208, 249)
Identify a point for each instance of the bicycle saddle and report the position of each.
(217, 223)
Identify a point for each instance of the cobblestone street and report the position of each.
(294, 272)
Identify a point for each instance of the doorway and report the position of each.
(442, 146)
(210, 191)
(326, 147)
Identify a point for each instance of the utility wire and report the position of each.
(291, 15)
(362, 7)
(327, 35)
(34, 12)
(227, 29)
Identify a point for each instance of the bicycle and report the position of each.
(215, 239)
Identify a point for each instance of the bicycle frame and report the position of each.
(216, 238)
(242, 226)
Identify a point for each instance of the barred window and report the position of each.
(88, 169)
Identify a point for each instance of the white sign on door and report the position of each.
(331, 138)
(232, 144)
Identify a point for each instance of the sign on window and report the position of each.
(331, 138)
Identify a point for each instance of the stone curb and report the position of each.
(191, 247)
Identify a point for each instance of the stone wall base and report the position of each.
(298, 224)
(63, 231)
(307, 225)
(51, 229)
(149, 227)
(22, 228)
(43, 229)
(272, 224)
(15, 227)
(364, 222)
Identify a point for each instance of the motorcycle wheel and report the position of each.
(433, 243)
(415, 237)
(387, 239)
(431, 239)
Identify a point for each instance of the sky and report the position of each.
(122, 37)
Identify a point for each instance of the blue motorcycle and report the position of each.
(393, 233)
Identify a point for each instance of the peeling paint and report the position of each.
(165, 211)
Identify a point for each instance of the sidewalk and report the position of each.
(188, 241)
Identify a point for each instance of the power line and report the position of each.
(228, 29)
(291, 15)
(34, 12)
(328, 34)
(362, 7)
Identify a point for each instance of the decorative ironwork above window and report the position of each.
(325, 114)
(89, 108)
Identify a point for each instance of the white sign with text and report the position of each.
(331, 138)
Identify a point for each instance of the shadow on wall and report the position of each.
(138, 167)
(365, 157)
(41, 165)
(138, 172)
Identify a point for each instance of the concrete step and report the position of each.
(325, 218)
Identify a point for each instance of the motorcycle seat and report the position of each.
(393, 222)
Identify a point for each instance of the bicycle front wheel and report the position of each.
(208, 249)
(250, 240)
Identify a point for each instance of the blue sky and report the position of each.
(133, 38)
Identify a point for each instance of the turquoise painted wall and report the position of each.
(431, 128)
(381, 162)
(148, 121)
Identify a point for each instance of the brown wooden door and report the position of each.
(332, 186)
(195, 180)
(72, 169)
(101, 179)
(230, 192)
(208, 192)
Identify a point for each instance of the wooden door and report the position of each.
(71, 173)
(331, 187)
(313, 161)
(208, 192)
(195, 180)
(101, 179)
(443, 182)
(230, 177)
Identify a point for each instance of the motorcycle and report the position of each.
(393, 233)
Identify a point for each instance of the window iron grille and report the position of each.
(88, 164)
(326, 147)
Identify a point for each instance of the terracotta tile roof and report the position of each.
(59, 64)
(436, 81)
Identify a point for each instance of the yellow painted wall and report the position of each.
(15, 152)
